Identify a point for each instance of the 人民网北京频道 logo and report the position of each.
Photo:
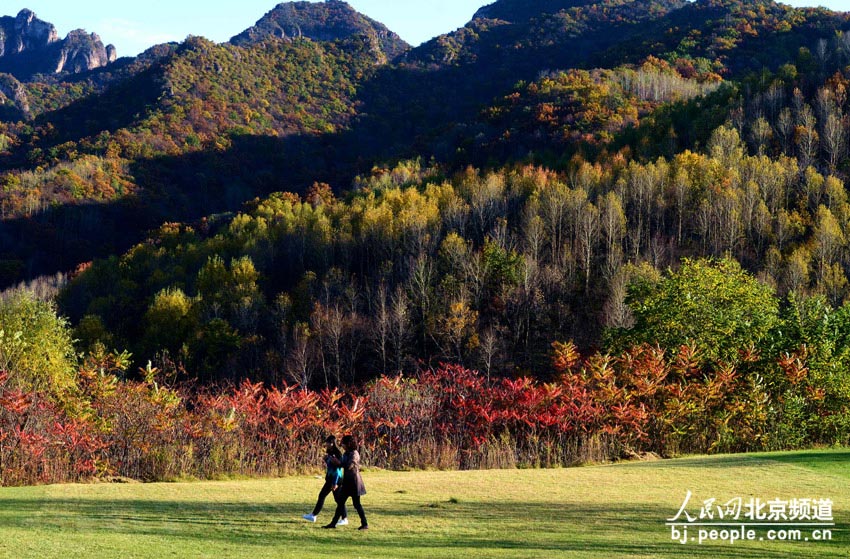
(752, 519)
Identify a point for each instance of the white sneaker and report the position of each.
(309, 518)
(342, 522)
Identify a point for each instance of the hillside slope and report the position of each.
(228, 122)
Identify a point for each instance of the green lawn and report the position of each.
(601, 511)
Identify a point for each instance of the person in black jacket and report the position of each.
(333, 481)
(352, 483)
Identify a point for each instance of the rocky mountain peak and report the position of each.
(321, 21)
(25, 31)
(30, 46)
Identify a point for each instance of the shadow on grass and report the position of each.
(815, 459)
(609, 531)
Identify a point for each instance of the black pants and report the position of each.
(327, 489)
(340, 508)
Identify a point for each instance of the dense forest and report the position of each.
(628, 218)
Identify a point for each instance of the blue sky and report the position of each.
(133, 26)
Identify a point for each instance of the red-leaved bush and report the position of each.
(602, 408)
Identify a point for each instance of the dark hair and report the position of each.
(330, 439)
(349, 440)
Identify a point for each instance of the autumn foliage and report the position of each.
(600, 408)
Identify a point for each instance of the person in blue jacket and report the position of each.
(333, 483)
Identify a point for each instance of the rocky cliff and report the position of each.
(30, 46)
(13, 98)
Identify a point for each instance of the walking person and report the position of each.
(333, 482)
(352, 483)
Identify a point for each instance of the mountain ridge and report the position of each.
(518, 10)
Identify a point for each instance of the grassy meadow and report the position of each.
(603, 512)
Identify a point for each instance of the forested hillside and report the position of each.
(583, 180)
(134, 142)
(171, 137)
